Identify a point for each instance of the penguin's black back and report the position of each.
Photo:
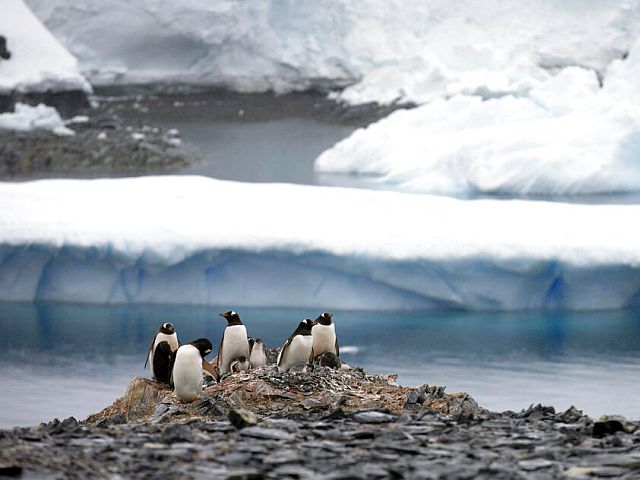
(163, 362)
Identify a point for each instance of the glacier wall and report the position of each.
(197, 240)
(385, 51)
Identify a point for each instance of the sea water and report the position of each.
(67, 359)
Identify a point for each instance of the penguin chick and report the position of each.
(298, 348)
(187, 369)
(234, 342)
(328, 359)
(258, 358)
(166, 333)
(240, 364)
(324, 335)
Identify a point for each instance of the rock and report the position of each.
(266, 433)
(607, 427)
(241, 418)
(570, 415)
(373, 417)
(535, 464)
(10, 470)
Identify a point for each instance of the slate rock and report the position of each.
(373, 416)
(241, 418)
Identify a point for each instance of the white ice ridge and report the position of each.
(386, 50)
(568, 137)
(26, 118)
(198, 240)
(38, 61)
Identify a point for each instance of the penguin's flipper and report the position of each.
(153, 340)
(220, 352)
(284, 349)
(311, 357)
(337, 348)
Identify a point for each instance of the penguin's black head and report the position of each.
(167, 328)
(304, 327)
(251, 342)
(232, 318)
(324, 319)
(203, 345)
(259, 341)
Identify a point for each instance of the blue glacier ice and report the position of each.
(197, 240)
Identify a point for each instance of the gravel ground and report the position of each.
(320, 424)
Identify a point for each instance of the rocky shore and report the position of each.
(119, 134)
(322, 424)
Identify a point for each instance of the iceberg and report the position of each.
(38, 62)
(568, 136)
(41, 117)
(383, 51)
(197, 240)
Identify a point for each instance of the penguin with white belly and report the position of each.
(234, 343)
(159, 357)
(257, 357)
(186, 375)
(298, 348)
(324, 336)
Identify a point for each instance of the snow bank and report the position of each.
(387, 50)
(38, 61)
(199, 240)
(568, 136)
(27, 118)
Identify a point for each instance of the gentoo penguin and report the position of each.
(234, 342)
(163, 359)
(240, 364)
(187, 369)
(324, 336)
(298, 348)
(166, 333)
(257, 357)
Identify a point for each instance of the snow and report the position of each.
(385, 51)
(568, 136)
(38, 61)
(26, 118)
(197, 240)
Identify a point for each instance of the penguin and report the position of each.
(187, 369)
(257, 357)
(166, 333)
(324, 335)
(240, 364)
(163, 359)
(298, 348)
(234, 343)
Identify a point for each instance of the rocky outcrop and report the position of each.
(269, 393)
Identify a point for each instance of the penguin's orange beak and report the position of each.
(225, 315)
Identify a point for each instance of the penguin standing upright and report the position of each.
(324, 336)
(258, 358)
(298, 348)
(159, 355)
(187, 369)
(234, 343)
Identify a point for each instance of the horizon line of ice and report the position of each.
(196, 240)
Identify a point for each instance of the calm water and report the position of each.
(61, 359)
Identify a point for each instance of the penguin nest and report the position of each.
(269, 393)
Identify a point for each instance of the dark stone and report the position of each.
(608, 427)
(538, 412)
(267, 433)
(241, 418)
(11, 470)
